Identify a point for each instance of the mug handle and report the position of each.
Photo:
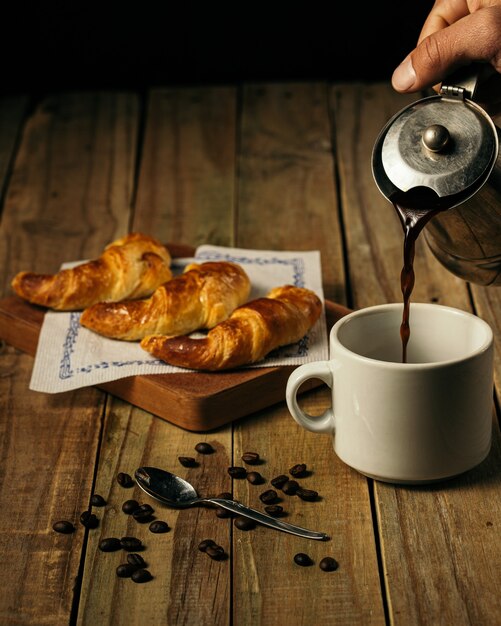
(321, 370)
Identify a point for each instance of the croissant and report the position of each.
(130, 267)
(250, 333)
(204, 295)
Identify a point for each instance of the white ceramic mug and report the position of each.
(421, 421)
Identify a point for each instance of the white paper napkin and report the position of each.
(70, 356)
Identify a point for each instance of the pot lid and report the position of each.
(441, 143)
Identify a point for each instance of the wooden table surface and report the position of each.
(264, 166)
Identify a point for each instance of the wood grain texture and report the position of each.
(187, 178)
(12, 112)
(437, 548)
(187, 586)
(440, 548)
(286, 193)
(487, 303)
(41, 484)
(287, 200)
(269, 587)
(68, 195)
(71, 187)
(185, 193)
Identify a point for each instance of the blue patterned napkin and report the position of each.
(70, 356)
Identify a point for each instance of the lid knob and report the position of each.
(436, 137)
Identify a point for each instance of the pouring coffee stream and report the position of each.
(413, 218)
(438, 162)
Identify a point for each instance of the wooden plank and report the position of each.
(440, 550)
(187, 586)
(269, 587)
(12, 112)
(437, 546)
(185, 194)
(68, 196)
(287, 200)
(70, 191)
(487, 302)
(48, 455)
(187, 181)
(286, 192)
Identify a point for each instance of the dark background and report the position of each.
(49, 46)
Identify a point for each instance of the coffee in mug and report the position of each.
(421, 421)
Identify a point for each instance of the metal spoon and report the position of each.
(177, 492)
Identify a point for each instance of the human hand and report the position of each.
(455, 33)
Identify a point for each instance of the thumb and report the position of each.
(476, 37)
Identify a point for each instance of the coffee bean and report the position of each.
(204, 448)
(290, 487)
(136, 560)
(237, 472)
(225, 495)
(244, 523)
(64, 527)
(141, 576)
(302, 559)
(269, 497)
(143, 513)
(158, 527)
(97, 500)
(129, 506)
(125, 480)
(223, 513)
(279, 481)
(255, 478)
(110, 544)
(203, 545)
(252, 458)
(310, 495)
(275, 510)
(89, 520)
(215, 552)
(328, 564)
(298, 471)
(187, 461)
(131, 544)
(125, 570)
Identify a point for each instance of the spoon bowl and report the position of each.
(179, 493)
(166, 487)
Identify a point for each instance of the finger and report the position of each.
(443, 14)
(476, 37)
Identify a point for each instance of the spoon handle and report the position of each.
(267, 520)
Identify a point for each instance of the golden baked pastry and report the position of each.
(251, 332)
(204, 295)
(130, 267)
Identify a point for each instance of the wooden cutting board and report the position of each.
(196, 401)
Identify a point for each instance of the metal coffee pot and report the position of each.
(442, 153)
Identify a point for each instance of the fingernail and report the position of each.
(404, 76)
